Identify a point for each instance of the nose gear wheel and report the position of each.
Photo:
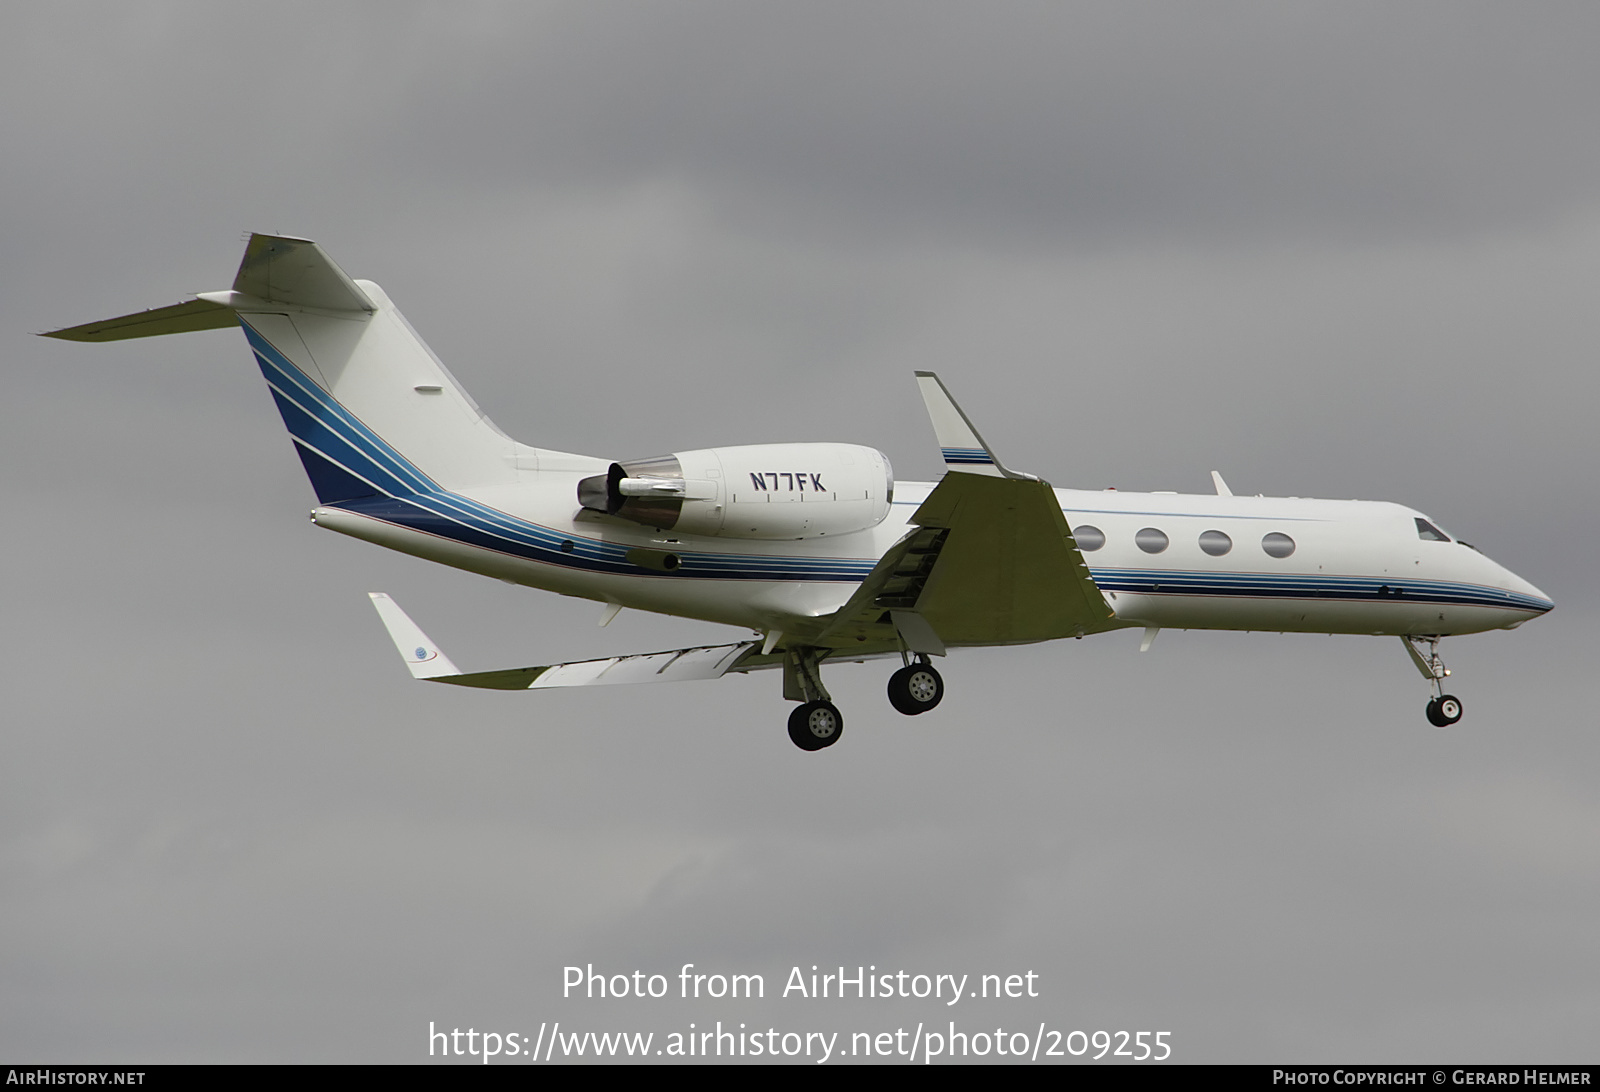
(1444, 710)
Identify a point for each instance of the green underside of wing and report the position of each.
(1009, 571)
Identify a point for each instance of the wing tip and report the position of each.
(422, 655)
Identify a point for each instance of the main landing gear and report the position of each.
(1444, 709)
(817, 723)
(916, 687)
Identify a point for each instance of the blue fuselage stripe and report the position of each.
(416, 501)
(1301, 586)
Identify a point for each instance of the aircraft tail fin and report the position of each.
(371, 410)
(276, 269)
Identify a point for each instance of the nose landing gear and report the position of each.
(1445, 709)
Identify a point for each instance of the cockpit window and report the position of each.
(1429, 533)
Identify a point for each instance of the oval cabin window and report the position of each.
(1150, 540)
(1278, 545)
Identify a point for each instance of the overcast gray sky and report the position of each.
(1346, 250)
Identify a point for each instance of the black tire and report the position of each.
(915, 689)
(1447, 710)
(815, 725)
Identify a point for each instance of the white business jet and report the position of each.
(814, 547)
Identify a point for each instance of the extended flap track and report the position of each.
(904, 586)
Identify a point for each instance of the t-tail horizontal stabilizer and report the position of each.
(426, 661)
(279, 273)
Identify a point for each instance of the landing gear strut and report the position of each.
(817, 723)
(915, 688)
(1445, 709)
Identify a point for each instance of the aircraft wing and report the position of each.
(1006, 570)
(991, 561)
(427, 662)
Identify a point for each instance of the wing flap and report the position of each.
(676, 665)
(894, 582)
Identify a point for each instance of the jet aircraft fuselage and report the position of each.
(813, 546)
(1166, 560)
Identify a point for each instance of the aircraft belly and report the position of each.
(755, 604)
(1307, 615)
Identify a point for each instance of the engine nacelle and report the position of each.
(760, 491)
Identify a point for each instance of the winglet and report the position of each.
(421, 655)
(964, 450)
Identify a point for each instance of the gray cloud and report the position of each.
(1330, 249)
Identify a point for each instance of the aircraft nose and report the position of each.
(1528, 600)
